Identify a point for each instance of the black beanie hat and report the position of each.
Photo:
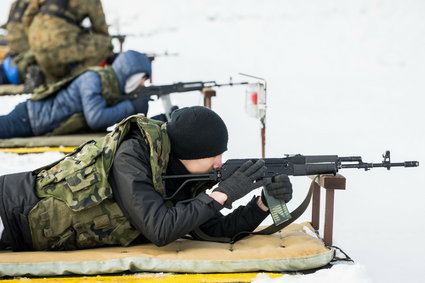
(197, 132)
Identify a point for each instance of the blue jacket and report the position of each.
(84, 95)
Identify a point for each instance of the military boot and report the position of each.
(33, 78)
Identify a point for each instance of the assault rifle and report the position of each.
(161, 90)
(304, 165)
(293, 165)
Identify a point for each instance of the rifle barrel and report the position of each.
(387, 165)
(229, 84)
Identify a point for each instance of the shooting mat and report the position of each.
(295, 248)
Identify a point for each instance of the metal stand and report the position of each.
(263, 141)
(121, 40)
(330, 183)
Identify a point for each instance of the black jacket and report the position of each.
(130, 179)
(131, 182)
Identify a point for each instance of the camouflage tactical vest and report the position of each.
(77, 209)
(110, 92)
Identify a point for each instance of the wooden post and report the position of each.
(329, 217)
(315, 209)
(208, 93)
(330, 183)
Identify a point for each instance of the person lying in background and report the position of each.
(93, 100)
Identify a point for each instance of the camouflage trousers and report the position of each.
(89, 50)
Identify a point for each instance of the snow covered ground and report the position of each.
(344, 77)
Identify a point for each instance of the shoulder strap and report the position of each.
(155, 133)
(296, 213)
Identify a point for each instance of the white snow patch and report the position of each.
(344, 77)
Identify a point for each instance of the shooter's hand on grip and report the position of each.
(280, 188)
(243, 181)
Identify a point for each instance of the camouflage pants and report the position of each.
(89, 50)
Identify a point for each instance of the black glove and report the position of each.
(141, 105)
(242, 181)
(280, 188)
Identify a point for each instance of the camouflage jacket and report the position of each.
(77, 208)
(51, 31)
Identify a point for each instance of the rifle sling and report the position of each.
(296, 213)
